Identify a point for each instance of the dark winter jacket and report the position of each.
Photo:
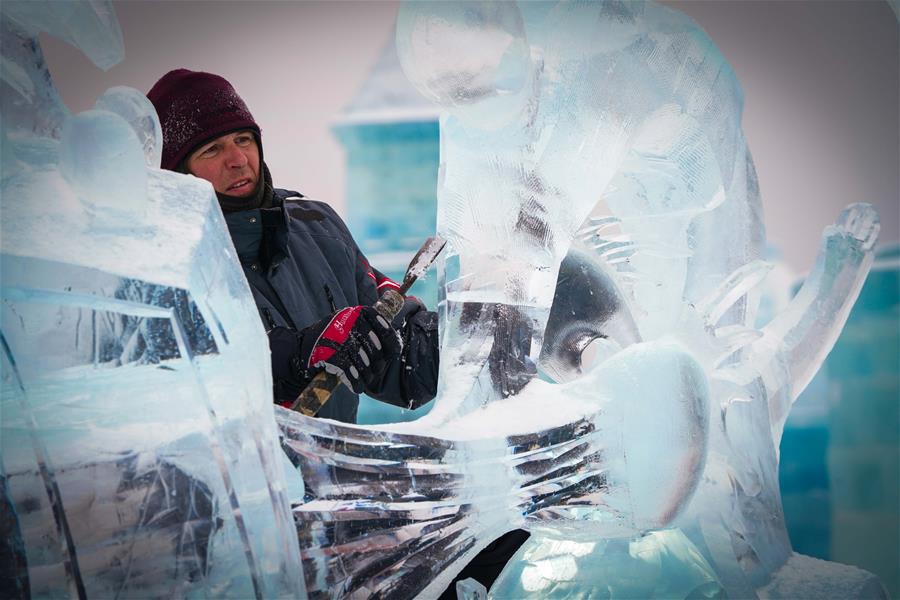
(302, 265)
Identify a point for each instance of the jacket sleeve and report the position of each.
(284, 345)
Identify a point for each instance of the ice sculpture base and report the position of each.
(807, 577)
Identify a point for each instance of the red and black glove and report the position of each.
(355, 343)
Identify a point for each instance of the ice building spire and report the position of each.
(386, 96)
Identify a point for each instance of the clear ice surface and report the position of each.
(140, 456)
(599, 199)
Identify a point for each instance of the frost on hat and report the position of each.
(195, 107)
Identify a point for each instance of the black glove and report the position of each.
(355, 343)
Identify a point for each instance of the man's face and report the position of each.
(230, 163)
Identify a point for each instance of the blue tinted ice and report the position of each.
(140, 457)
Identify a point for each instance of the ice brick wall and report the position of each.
(864, 423)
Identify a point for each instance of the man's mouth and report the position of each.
(241, 185)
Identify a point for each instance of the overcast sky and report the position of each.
(820, 82)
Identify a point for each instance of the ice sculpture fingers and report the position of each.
(861, 222)
(804, 333)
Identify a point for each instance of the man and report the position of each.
(313, 287)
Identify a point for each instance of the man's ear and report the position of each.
(258, 146)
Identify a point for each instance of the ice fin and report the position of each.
(735, 286)
(136, 109)
(91, 27)
(598, 224)
(807, 329)
(102, 159)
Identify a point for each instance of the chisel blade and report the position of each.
(422, 260)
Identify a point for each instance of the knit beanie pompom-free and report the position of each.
(195, 107)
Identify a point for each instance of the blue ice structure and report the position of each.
(139, 456)
(863, 383)
(390, 137)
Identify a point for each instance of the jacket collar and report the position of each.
(250, 229)
(246, 229)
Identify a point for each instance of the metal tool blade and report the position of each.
(422, 260)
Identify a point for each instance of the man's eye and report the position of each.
(209, 151)
(243, 140)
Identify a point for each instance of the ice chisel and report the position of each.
(322, 386)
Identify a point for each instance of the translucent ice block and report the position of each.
(140, 456)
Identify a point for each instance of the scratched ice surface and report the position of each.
(598, 196)
(139, 453)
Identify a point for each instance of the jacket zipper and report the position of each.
(269, 320)
(330, 298)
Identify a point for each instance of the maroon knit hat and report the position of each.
(195, 107)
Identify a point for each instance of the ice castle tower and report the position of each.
(390, 135)
(863, 452)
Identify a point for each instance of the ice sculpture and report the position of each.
(139, 453)
(654, 472)
(140, 457)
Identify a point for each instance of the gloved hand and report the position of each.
(355, 343)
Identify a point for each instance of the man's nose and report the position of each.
(235, 157)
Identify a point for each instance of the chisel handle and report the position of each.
(319, 391)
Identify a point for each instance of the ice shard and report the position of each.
(140, 456)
